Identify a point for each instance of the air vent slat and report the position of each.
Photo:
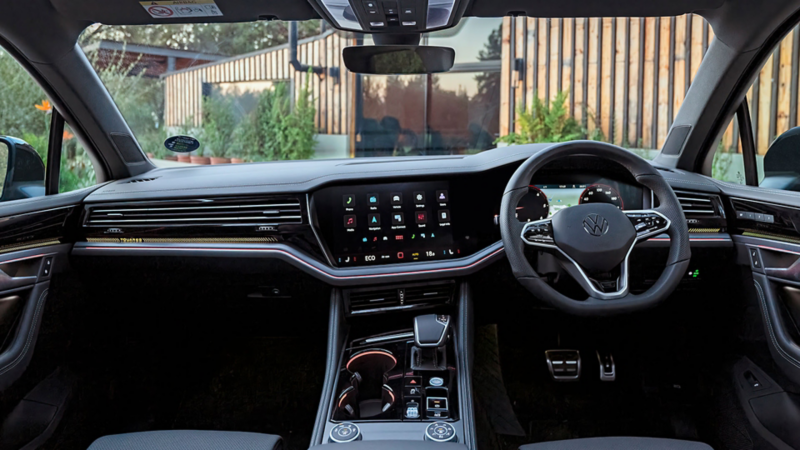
(696, 204)
(372, 301)
(201, 212)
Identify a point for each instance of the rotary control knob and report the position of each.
(440, 432)
(345, 432)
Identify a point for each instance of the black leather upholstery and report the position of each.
(618, 443)
(188, 440)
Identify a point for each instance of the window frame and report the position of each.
(58, 124)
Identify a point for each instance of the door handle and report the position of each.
(791, 273)
(8, 282)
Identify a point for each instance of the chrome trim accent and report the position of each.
(181, 208)
(584, 281)
(314, 230)
(391, 337)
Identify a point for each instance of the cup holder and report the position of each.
(367, 395)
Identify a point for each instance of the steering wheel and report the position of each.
(593, 241)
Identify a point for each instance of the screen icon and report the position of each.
(350, 221)
(374, 220)
(443, 215)
(419, 197)
(421, 217)
(442, 196)
(400, 255)
(397, 198)
(349, 200)
(372, 199)
(398, 219)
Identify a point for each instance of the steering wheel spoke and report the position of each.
(648, 223)
(539, 234)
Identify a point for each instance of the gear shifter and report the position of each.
(430, 341)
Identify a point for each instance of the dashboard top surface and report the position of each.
(307, 176)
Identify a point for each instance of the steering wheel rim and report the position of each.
(623, 301)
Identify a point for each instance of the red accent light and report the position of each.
(373, 352)
(400, 255)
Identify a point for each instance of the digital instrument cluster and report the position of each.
(544, 200)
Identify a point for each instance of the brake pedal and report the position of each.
(608, 371)
(564, 365)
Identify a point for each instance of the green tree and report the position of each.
(227, 39)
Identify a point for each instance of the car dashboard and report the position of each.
(362, 222)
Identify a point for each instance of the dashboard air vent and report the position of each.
(140, 180)
(704, 212)
(371, 300)
(433, 294)
(401, 297)
(695, 204)
(219, 212)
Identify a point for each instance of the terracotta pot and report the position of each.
(216, 160)
(184, 158)
(237, 161)
(170, 158)
(203, 160)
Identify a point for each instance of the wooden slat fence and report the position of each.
(184, 89)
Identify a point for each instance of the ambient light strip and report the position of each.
(295, 258)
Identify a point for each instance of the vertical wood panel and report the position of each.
(505, 74)
(593, 99)
(763, 112)
(784, 86)
(578, 68)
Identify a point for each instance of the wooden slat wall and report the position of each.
(629, 76)
(183, 90)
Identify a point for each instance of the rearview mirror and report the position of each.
(398, 59)
(21, 170)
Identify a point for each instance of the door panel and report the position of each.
(35, 240)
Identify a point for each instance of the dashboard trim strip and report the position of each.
(80, 247)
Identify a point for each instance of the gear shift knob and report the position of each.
(430, 330)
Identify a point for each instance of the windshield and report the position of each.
(239, 90)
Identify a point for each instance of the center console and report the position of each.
(398, 375)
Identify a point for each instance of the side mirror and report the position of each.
(21, 170)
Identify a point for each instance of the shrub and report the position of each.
(219, 123)
(548, 123)
(275, 130)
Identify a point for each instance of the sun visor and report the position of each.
(588, 8)
(134, 12)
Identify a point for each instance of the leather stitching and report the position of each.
(775, 342)
(31, 334)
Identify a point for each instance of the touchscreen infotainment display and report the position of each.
(391, 223)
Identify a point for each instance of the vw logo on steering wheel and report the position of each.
(595, 225)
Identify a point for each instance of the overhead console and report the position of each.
(391, 16)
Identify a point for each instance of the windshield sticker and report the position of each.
(181, 8)
(182, 144)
